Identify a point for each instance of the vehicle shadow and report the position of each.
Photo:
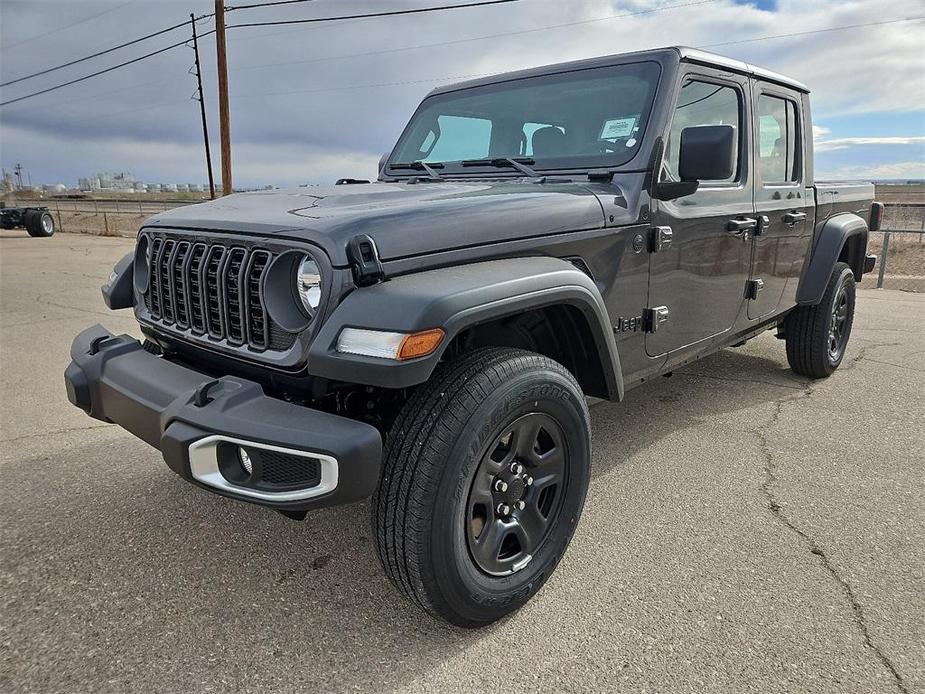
(124, 575)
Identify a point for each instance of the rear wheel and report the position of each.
(39, 223)
(817, 336)
(484, 477)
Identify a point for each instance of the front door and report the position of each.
(781, 205)
(697, 281)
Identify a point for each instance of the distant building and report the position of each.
(122, 182)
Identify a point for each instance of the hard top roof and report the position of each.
(691, 55)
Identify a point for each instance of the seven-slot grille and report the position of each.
(212, 289)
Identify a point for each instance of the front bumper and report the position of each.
(200, 423)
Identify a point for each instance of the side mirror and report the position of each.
(707, 153)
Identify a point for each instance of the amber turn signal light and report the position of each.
(420, 344)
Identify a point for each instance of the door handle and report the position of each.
(739, 226)
(792, 218)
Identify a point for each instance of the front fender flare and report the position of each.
(831, 236)
(454, 299)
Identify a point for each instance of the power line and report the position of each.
(814, 31)
(484, 37)
(392, 13)
(445, 79)
(184, 24)
(265, 4)
(97, 95)
(67, 26)
(100, 72)
(740, 41)
(98, 54)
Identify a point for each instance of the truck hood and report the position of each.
(404, 219)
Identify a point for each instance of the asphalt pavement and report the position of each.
(745, 531)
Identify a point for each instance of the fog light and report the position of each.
(245, 461)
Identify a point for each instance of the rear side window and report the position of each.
(778, 154)
(703, 103)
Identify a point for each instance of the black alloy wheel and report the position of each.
(515, 494)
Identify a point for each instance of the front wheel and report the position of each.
(484, 477)
(817, 336)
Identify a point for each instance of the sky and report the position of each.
(314, 102)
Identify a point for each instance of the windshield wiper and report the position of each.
(519, 164)
(420, 166)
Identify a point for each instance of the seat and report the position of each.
(549, 142)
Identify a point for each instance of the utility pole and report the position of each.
(17, 171)
(202, 109)
(224, 117)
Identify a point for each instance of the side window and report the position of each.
(778, 160)
(703, 103)
(456, 138)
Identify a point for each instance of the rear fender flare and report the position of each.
(831, 237)
(454, 299)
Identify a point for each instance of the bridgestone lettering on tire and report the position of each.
(817, 336)
(467, 421)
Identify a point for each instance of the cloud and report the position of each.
(177, 162)
(846, 142)
(904, 170)
(820, 132)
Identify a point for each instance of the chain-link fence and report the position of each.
(900, 249)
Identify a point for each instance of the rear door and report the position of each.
(782, 206)
(696, 283)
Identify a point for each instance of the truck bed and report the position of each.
(833, 197)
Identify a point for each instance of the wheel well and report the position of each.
(853, 253)
(560, 332)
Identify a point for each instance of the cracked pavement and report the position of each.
(745, 531)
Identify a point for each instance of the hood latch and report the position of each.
(364, 260)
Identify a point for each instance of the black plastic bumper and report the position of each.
(173, 407)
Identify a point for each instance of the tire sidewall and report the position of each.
(468, 590)
(845, 279)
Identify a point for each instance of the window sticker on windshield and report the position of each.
(618, 127)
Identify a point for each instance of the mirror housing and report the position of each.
(382, 160)
(707, 153)
(672, 190)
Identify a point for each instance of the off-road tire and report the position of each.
(431, 454)
(35, 223)
(808, 328)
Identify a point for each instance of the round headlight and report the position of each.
(308, 285)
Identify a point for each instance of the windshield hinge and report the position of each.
(364, 261)
(601, 175)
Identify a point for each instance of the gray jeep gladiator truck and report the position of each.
(429, 339)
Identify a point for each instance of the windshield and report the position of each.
(583, 119)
